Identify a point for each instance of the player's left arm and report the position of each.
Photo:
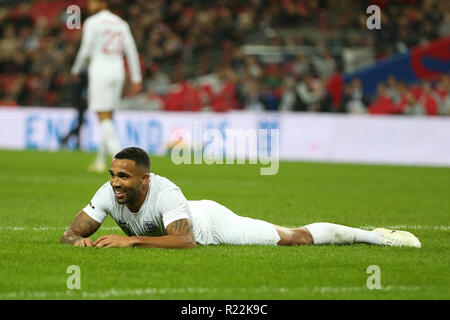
(83, 54)
(180, 235)
(132, 57)
(79, 231)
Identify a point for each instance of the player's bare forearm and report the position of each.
(165, 242)
(180, 235)
(81, 228)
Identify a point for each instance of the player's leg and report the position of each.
(109, 144)
(109, 135)
(293, 236)
(114, 92)
(229, 228)
(99, 164)
(330, 233)
(325, 233)
(75, 99)
(96, 104)
(76, 130)
(104, 97)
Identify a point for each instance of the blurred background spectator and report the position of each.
(225, 55)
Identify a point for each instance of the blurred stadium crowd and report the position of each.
(192, 58)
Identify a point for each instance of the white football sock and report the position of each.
(101, 153)
(109, 137)
(330, 233)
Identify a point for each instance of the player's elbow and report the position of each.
(68, 237)
(189, 242)
(64, 237)
(191, 245)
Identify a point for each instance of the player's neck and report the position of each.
(136, 205)
(99, 10)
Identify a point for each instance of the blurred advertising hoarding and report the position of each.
(378, 139)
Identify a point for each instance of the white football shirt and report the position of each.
(106, 39)
(164, 204)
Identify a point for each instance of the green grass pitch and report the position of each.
(41, 192)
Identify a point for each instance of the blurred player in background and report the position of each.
(106, 39)
(78, 98)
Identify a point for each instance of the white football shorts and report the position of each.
(104, 95)
(226, 227)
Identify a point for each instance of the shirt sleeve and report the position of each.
(100, 205)
(173, 206)
(132, 56)
(85, 47)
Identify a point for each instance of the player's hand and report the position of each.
(135, 88)
(114, 240)
(84, 242)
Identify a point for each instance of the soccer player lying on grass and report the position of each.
(154, 213)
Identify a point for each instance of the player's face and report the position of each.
(127, 180)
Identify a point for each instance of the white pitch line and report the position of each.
(157, 292)
(410, 227)
(12, 228)
(396, 227)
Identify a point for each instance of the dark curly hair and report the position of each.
(138, 155)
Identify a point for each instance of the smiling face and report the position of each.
(129, 182)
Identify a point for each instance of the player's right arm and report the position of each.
(132, 57)
(79, 231)
(87, 41)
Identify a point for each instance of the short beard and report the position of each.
(131, 198)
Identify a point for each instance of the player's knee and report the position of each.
(294, 237)
(302, 237)
(104, 115)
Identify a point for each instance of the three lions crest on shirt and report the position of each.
(150, 226)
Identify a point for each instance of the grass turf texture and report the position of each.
(41, 192)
